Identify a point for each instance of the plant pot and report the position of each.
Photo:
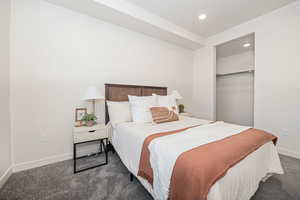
(90, 123)
(181, 109)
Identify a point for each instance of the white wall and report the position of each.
(58, 53)
(277, 83)
(5, 137)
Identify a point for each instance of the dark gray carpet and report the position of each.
(111, 182)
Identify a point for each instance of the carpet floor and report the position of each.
(111, 182)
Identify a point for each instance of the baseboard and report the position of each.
(6, 176)
(41, 162)
(290, 153)
(46, 161)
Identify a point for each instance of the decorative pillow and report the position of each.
(140, 107)
(119, 112)
(167, 101)
(163, 114)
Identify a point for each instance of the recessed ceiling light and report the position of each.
(246, 45)
(202, 16)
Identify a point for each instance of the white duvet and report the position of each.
(240, 182)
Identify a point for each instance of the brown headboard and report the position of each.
(118, 92)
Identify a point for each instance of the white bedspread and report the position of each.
(239, 185)
(241, 181)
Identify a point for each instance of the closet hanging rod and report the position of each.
(241, 72)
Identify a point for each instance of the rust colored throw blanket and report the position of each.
(145, 169)
(196, 170)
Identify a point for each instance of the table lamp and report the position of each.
(93, 94)
(176, 94)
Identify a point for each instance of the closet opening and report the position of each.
(235, 74)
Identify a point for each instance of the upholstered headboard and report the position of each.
(118, 92)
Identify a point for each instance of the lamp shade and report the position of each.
(92, 93)
(176, 94)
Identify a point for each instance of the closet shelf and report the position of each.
(240, 72)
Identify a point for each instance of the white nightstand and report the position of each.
(185, 114)
(86, 134)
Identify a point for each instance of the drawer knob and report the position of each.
(93, 131)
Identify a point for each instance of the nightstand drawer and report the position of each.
(90, 135)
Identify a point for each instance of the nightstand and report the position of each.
(82, 135)
(185, 114)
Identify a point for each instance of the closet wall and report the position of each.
(235, 81)
(5, 133)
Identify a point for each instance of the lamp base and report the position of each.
(94, 106)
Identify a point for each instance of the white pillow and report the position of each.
(119, 111)
(168, 101)
(140, 108)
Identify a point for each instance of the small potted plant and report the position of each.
(89, 119)
(181, 108)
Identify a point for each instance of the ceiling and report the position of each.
(221, 14)
(235, 46)
(175, 21)
(132, 17)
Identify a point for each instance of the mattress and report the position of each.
(240, 182)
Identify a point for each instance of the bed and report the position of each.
(240, 182)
